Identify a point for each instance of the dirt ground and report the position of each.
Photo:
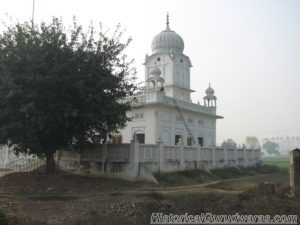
(35, 198)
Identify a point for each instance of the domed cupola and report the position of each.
(209, 91)
(210, 100)
(155, 72)
(155, 81)
(167, 41)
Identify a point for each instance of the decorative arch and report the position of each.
(155, 83)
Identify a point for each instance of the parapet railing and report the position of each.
(159, 97)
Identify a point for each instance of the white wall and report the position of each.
(3, 156)
(134, 158)
(147, 125)
(160, 121)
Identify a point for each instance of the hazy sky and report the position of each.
(249, 50)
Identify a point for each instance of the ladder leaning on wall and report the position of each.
(184, 121)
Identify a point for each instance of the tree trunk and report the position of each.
(50, 163)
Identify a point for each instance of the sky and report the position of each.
(249, 50)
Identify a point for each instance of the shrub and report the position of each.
(3, 220)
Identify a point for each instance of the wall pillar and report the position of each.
(134, 155)
(181, 149)
(161, 161)
(236, 157)
(213, 157)
(199, 157)
(253, 157)
(245, 156)
(259, 155)
(226, 157)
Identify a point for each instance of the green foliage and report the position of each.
(271, 148)
(189, 177)
(281, 163)
(61, 87)
(180, 178)
(3, 220)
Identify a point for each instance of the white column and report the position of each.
(134, 155)
(160, 149)
(199, 156)
(245, 157)
(259, 155)
(181, 149)
(226, 157)
(236, 156)
(213, 157)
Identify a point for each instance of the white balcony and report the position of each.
(158, 97)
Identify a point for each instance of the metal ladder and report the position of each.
(184, 122)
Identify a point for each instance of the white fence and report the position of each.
(7, 157)
(136, 158)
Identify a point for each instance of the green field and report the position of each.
(282, 163)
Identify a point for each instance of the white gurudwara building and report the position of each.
(163, 109)
(168, 132)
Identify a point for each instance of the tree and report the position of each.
(61, 87)
(229, 143)
(271, 148)
(252, 143)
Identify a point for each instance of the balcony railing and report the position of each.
(155, 97)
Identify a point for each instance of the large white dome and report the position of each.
(167, 41)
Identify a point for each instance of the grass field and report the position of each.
(249, 182)
(282, 163)
(248, 177)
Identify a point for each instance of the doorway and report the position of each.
(140, 138)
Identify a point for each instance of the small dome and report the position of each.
(167, 40)
(209, 91)
(155, 71)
